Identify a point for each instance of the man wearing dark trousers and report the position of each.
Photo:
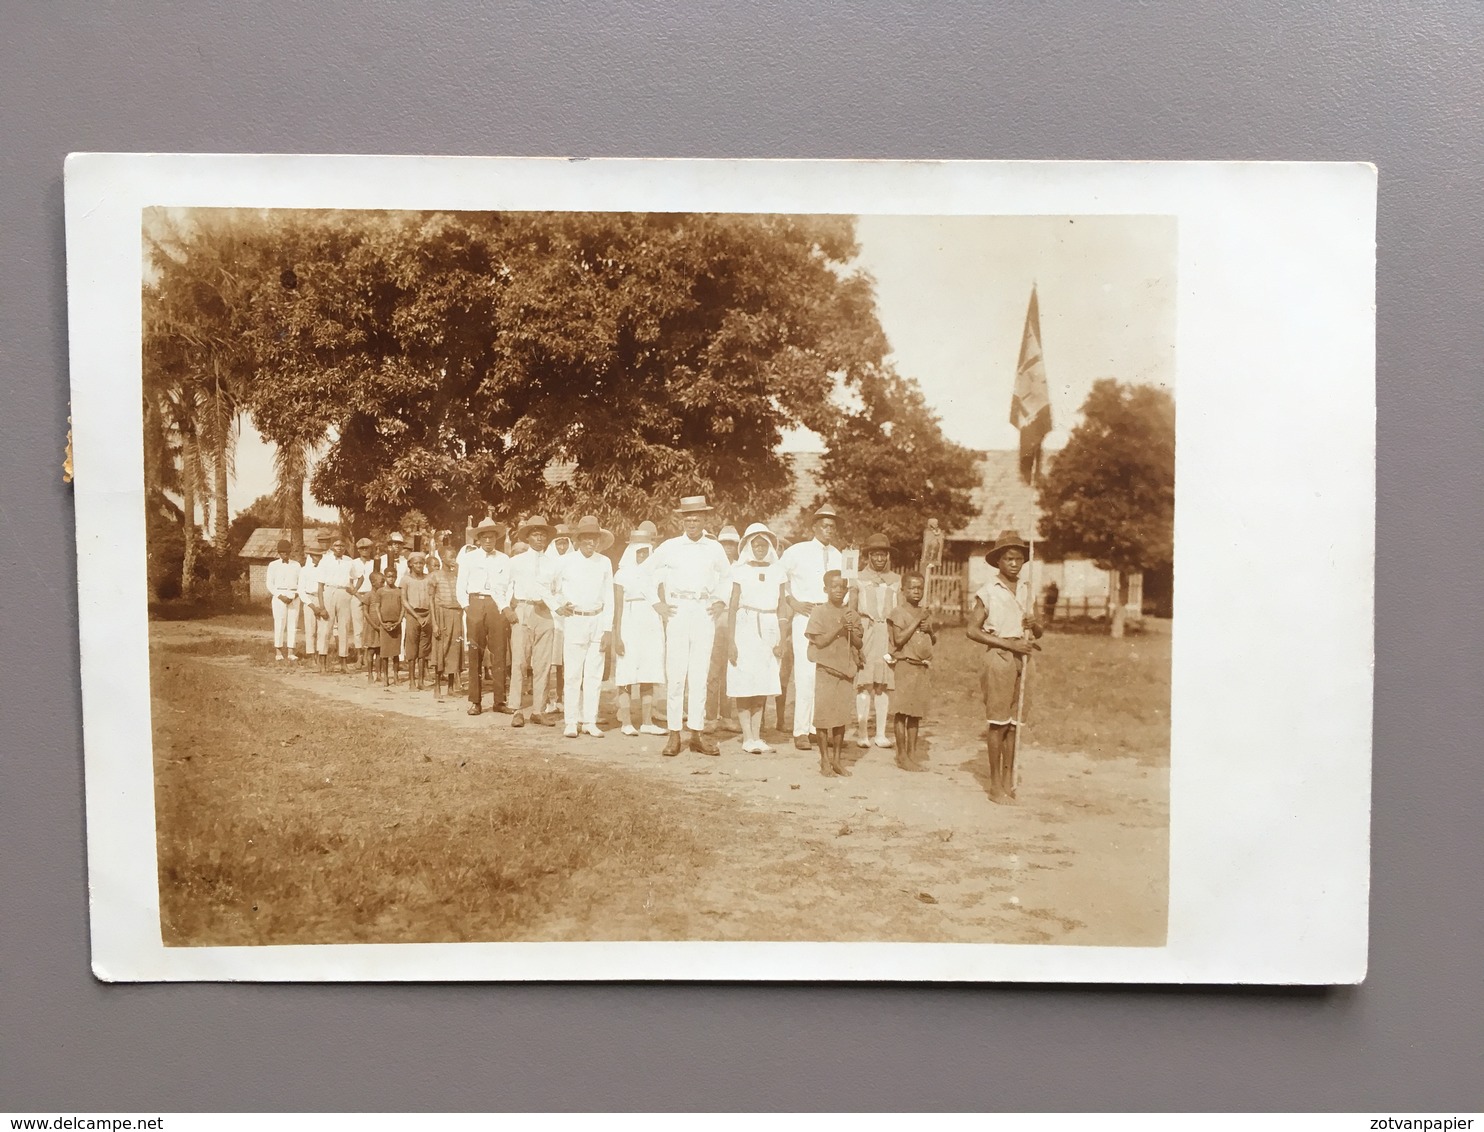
(484, 592)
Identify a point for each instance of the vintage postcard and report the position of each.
(521, 569)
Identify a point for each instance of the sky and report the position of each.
(951, 294)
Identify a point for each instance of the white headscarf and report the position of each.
(635, 577)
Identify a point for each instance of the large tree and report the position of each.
(1110, 493)
(449, 358)
(889, 467)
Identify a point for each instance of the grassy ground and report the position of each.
(1104, 697)
(299, 808)
(305, 825)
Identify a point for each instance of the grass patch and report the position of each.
(279, 822)
(1107, 698)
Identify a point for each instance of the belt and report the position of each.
(528, 601)
(417, 609)
(758, 609)
(487, 597)
(688, 595)
(584, 613)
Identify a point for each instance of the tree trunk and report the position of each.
(188, 509)
(219, 494)
(1120, 603)
(291, 501)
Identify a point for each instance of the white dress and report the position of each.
(643, 633)
(756, 631)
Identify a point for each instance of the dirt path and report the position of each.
(1082, 860)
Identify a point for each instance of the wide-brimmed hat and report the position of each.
(395, 536)
(363, 544)
(489, 527)
(534, 523)
(760, 529)
(1006, 541)
(693, 505)
(728, 534)
(826, 512)
(878, 541)
(589, 525)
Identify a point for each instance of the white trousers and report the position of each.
(803, 679)
(582, 670)
(337, 604)
(688, 637)
(285, 622)
(358, 623)
(316, 630)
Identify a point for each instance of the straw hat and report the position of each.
(534, 523)
(693, 505)
(1006, 541)
(589, 525)
(650, 529)
(728, 534)
(826, 511)
(640, 537)
(489, 527)
(396, 536)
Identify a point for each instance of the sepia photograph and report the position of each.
(548, 574)
(659, 576)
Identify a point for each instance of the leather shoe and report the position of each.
(801, 742)
(672, 745)
(502, 709)
(705, 744)
(518, 721)
(474, 709)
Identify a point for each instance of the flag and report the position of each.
(1030, 404)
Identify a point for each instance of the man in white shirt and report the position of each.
(316, 623)
(392, 562)
(694, 584)
(804, 566)
(560, 547)
(334, 584)
(584, 600)
(532, 577)
(282, 581)
(361, 567)
(484, 593)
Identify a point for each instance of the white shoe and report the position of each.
(883, 741)
(293, 656)
(651, 729)
(591, 730)
(552, 708)
(571, 732)
(629, 729)
(862, 741)
(762, 748)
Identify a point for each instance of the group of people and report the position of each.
(721, 623)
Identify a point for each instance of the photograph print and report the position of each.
(597, 576)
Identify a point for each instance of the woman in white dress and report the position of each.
(756, 633)
(638, 636)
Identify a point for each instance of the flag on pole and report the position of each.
(1030, 404)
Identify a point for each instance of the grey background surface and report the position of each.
(1400, 84)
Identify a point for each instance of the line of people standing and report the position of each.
(719, 624)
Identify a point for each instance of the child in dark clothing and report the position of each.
(386, 607)
(834, 635)
(913, 636)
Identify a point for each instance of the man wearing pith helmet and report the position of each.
(693, 583)
(1003, 621)
(804, 567)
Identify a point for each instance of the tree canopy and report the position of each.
(889, 466)
(449, 358)
(1110, 493)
